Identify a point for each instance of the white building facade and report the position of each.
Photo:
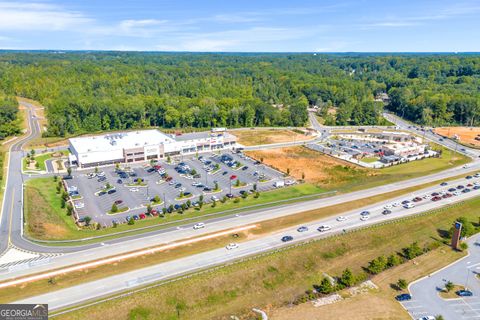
(144, 145)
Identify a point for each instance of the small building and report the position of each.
(390, 159)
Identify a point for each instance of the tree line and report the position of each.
(94, 91)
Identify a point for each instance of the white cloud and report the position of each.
(39, 16)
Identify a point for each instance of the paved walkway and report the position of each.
(426, 301)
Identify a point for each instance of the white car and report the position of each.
(324, 228)
(101, 174)
(465, 166)
(409, 205)
(427, 318)
(199, 225)
(364, 218)
(79, 205)
(214, 198)
(388, 206)
(182, 189)
(231, 246)
(457, 193)
(134, 189)
(341, 218)
(396, 204)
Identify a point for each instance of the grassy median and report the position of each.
(274, 280)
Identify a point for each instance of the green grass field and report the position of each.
(278, 278)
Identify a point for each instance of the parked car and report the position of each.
(464, 293)
(233, 177)
(225, 173)
(111, 191)
(135, 217)
(229, 195)
(287, 238)
(119, 181)
(117, 202)
(142, 216)
(403, 297)
(244, 168)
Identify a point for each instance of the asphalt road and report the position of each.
(171, 269)
(11, 215)
(426, 301)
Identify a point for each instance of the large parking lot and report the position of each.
(133, 188)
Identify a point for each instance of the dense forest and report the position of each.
(9, 125)
(92, 91)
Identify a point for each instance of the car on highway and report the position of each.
(409, 206)
(341, 218)
(386, 211)
(364, 218)
(388, 206)
(464, 293)
(231, 246)
(403, 297)
(396, 204)
(324, 228)
(199, 225)
(460, 187)
(443, 184)
(452, 189)
(365, 213)
(427, 318)
(302, 229)
(287, 238)
(468, 177)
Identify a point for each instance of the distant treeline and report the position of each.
(91, 91)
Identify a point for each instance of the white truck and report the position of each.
(279, 184)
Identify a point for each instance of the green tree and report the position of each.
(449, 286)
(69, 171)
(393, 260)
(377, 265)
(131, 221)
(402, 284)
(114, 208)
(412, 251)
(347, 279)
(325, 286)
(87, 220)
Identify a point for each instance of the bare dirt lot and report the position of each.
(465, 134)
(251, 137)
(309, 165)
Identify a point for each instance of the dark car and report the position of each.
(386, 211)
(405, 201)
(466, 190)
(132, 174)
(186, 194)
(459, 187)
(464, 293)
(225, 173)
(150, 170)
(176, 207)
(135, 217)
(111, 191)
(245, 168)
(287, 238)
(67, 177)
(101, 193)
(443, 184)
(403, 297)
(207, 189)
(119, 181)
(476, 187)
(452, 189)
(468, 177)
(178, 185)
(243, 192)
(117, 202)
(229, 195)
(101, 179)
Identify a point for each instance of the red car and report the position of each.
(233, 177)
(417, 199)
(142, 216)
(168, 179)
(157, 167)
(154, 213)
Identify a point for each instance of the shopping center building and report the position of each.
(144, 145)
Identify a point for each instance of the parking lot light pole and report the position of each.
(164, 201)
(230, 186)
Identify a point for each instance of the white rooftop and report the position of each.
(122, 140)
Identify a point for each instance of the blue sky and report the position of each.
(243, 25)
